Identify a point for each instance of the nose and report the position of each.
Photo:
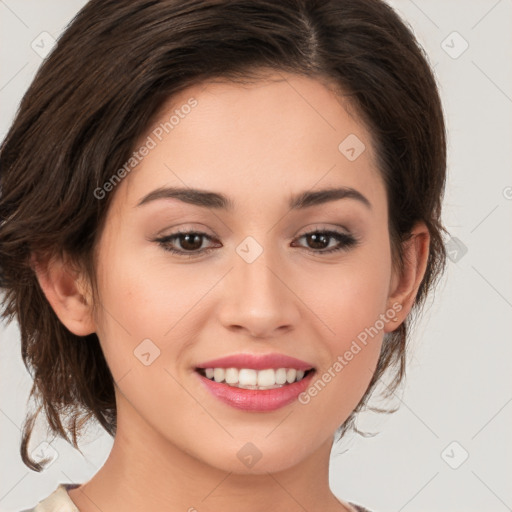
(258, 297)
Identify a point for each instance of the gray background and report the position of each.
(458, 394)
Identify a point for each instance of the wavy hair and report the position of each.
(94, 96)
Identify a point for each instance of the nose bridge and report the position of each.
(256, 298)
(256, 268)
(255, 264)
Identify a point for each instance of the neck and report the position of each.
(145, 471)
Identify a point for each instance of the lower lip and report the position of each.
(257, 400)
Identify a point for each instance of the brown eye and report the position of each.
(318, 241)
(189, 243)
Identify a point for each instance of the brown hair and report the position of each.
(95, 95)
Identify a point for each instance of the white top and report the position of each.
(58, 501)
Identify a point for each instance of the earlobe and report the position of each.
(66, 292)
(404, 287)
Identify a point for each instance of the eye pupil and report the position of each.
(315, 237)
(195, 237)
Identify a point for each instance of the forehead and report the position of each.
(277, 135)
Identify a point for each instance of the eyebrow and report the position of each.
(218, 201)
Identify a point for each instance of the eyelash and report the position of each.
(346, 242)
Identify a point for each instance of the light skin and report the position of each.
(176, 445)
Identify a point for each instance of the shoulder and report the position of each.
(57, 501)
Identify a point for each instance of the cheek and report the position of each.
(349, 298)
(143, 299)
(353, 306)
(351, 349)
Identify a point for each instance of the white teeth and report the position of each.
(231, 376)
(281, 376)
(218, 374)
(291, 375)
(266, 378)
(248, 378)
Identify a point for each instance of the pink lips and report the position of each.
(254, 399)
(257, 400)
(257, 362)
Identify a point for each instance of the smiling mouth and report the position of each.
(248, 378)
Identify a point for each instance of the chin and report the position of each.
(255, 457)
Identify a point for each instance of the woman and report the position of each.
(217, 218)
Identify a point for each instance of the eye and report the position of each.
(320, 241)
(191, 242)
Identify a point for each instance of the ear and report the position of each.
(404, 286)
(67, 292)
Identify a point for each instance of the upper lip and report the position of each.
(257, 362)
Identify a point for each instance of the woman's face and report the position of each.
(254, 280)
